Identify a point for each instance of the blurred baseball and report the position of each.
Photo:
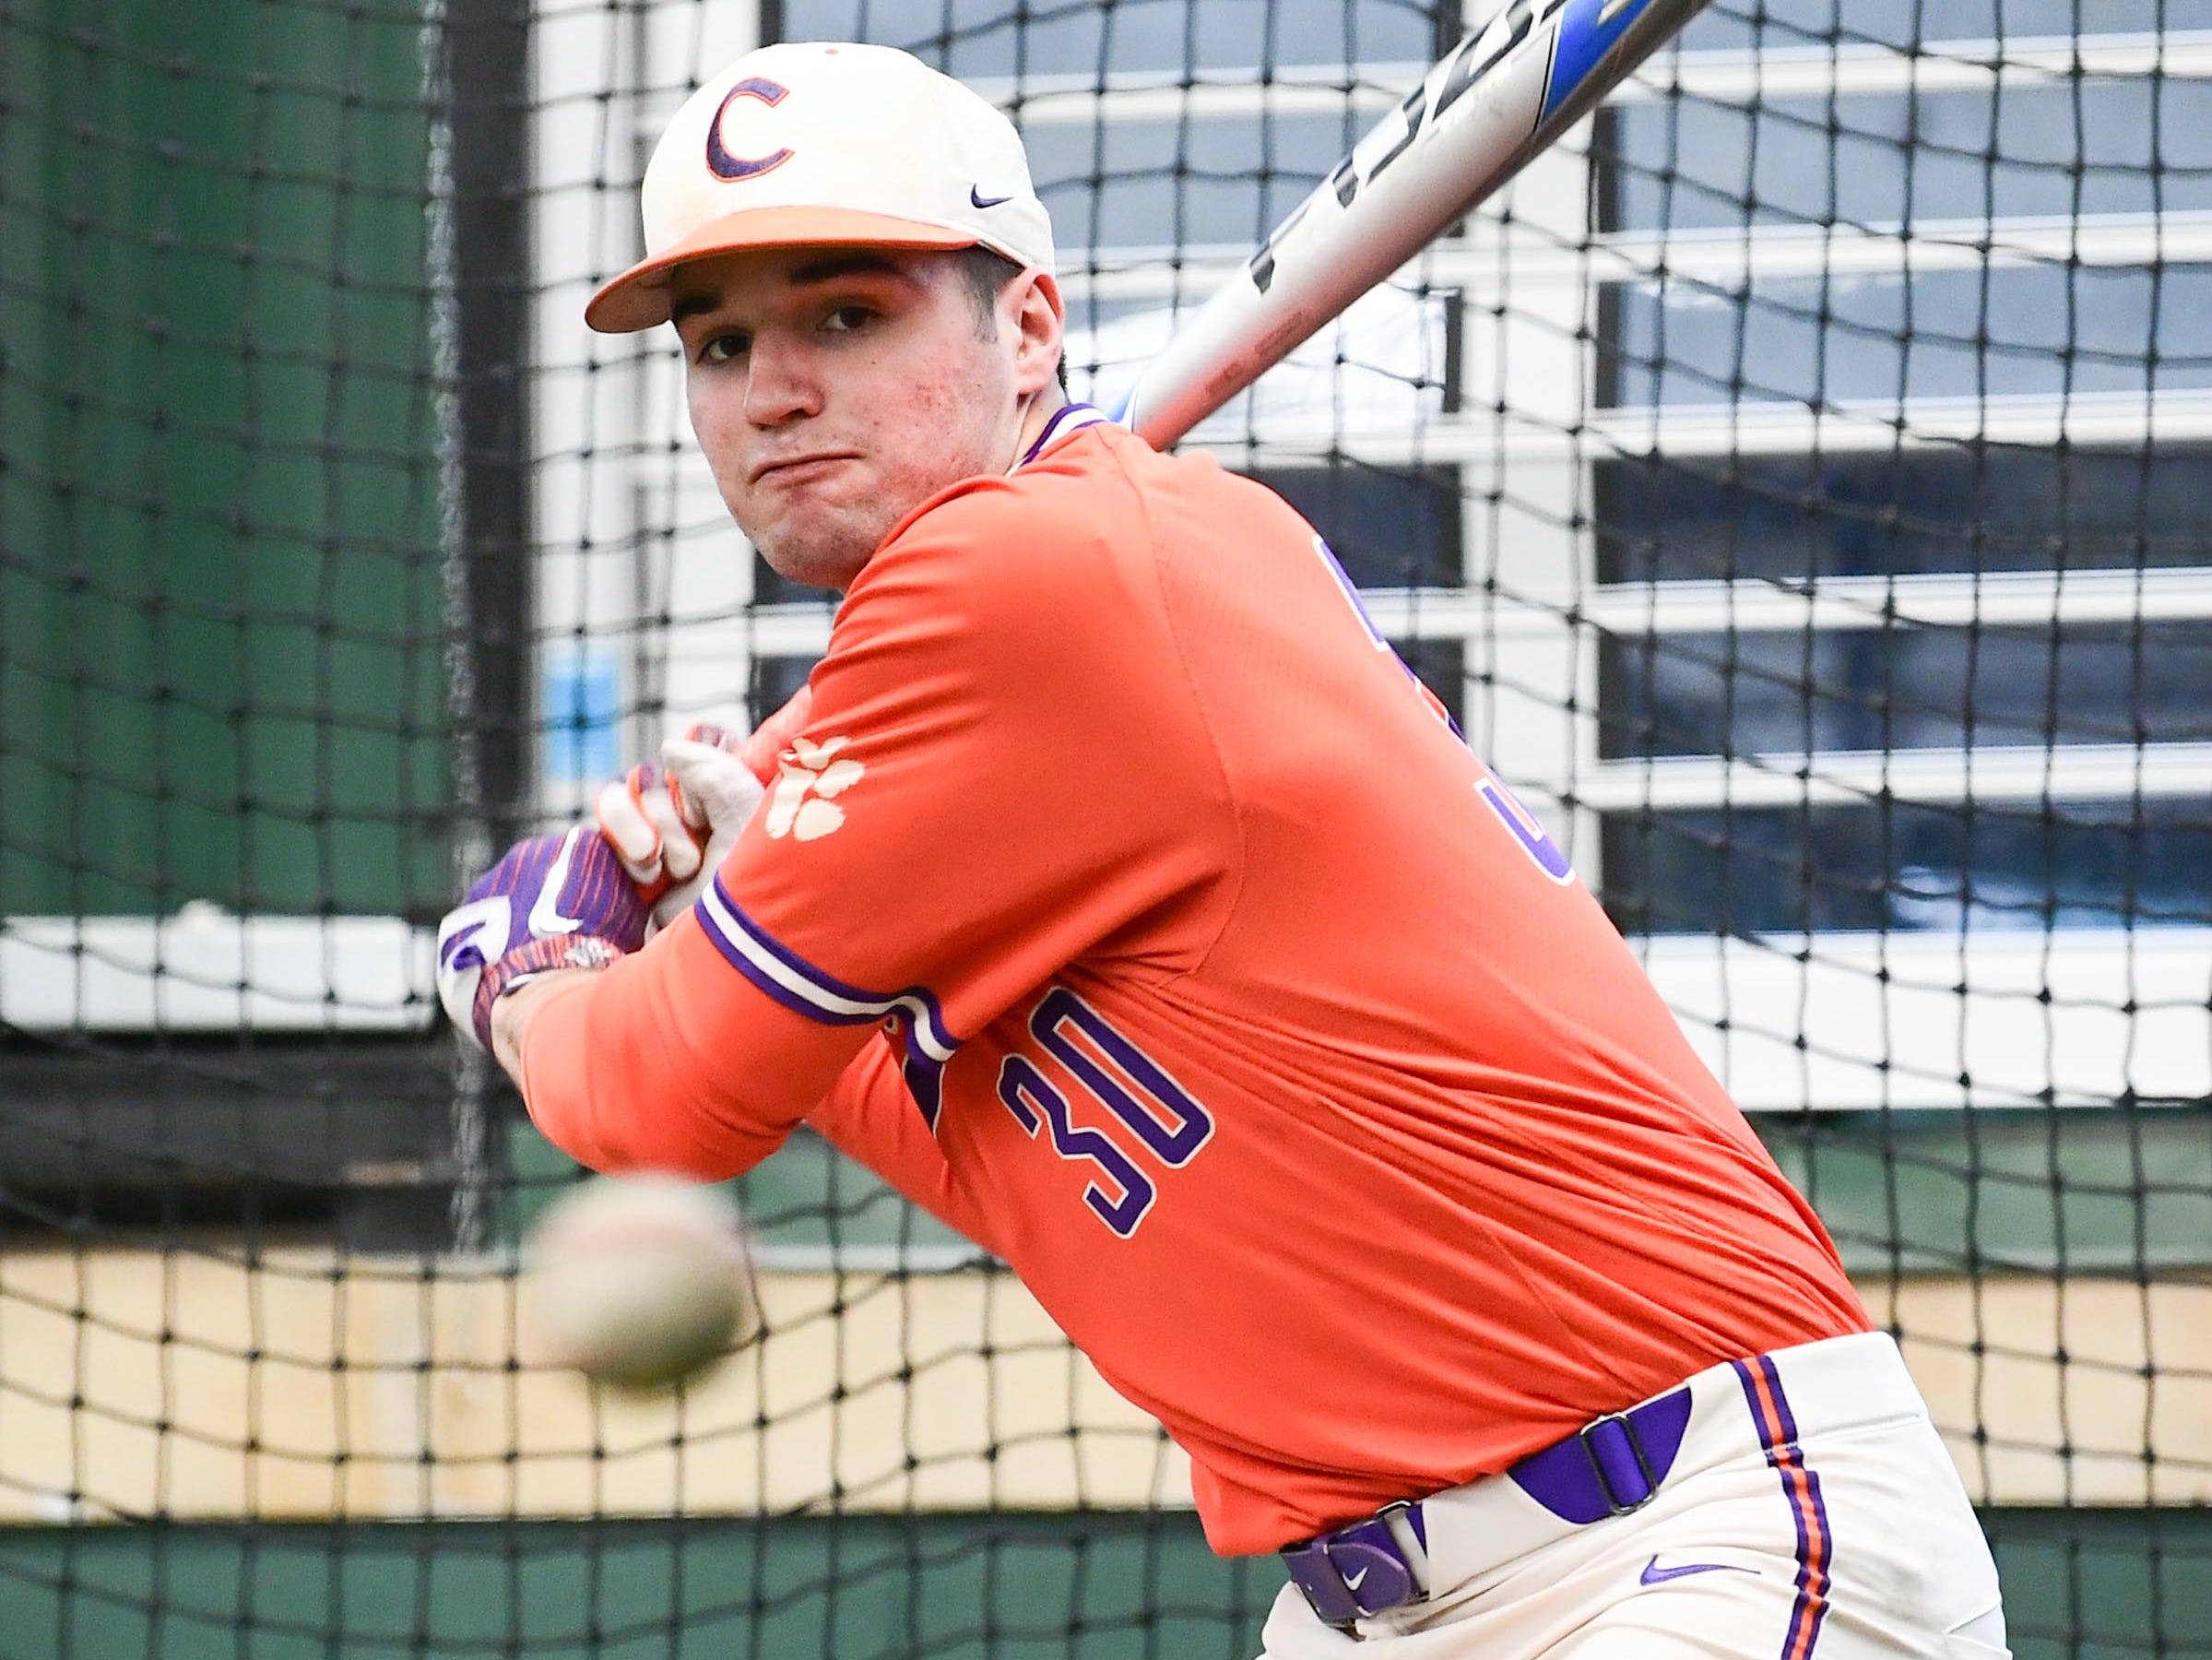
(640, 1283)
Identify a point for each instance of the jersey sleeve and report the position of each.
(1004, 769)
(869, 1116)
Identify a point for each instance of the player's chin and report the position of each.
(819, 550)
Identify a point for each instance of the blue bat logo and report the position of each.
(1587, 31)
(1590, 29)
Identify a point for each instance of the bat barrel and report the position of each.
(1505, 93)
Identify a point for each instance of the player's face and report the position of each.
(834, 389)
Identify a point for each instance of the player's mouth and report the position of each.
(799, 469)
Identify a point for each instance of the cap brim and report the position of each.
(639, 297)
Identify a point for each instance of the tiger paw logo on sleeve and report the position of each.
(803, 804)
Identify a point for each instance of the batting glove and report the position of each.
(553, 902)
(672, 821)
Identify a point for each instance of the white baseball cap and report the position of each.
(834, 144)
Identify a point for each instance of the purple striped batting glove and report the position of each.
(553, 902)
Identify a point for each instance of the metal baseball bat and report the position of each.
(1521, 77)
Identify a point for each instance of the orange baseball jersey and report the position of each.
(1127, 903)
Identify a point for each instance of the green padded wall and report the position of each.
(221, 653)
(2088, 1586)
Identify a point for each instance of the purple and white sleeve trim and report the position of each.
(805, 989)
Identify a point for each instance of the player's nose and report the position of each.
(780, 382)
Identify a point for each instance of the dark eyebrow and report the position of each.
(846, 265)
(691, 305)
(819, 270)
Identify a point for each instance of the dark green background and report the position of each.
(221, 652)
(2082, 1585)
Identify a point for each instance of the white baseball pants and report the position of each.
(1811, 1514)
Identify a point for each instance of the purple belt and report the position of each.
(1606, 1468)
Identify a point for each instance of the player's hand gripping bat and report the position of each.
(672, 821)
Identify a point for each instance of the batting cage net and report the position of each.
(1796, 484)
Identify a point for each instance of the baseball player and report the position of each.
(1120, 898)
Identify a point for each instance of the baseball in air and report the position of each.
(640, 1283)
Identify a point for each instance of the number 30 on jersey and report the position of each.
(1146, 1111)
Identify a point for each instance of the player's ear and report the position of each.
(1035, 325)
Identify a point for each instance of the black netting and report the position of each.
(1794, 485)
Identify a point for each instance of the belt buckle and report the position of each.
(1367, 1568)
(1614, 1472)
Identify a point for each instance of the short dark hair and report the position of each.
(985, 272)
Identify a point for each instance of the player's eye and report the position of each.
(723, 347)
(848, 319)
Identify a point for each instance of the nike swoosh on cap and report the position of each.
(977, 199)
(1653, 1574)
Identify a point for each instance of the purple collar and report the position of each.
(1067, 418)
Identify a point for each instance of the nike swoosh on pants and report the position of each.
(1653, 1574)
